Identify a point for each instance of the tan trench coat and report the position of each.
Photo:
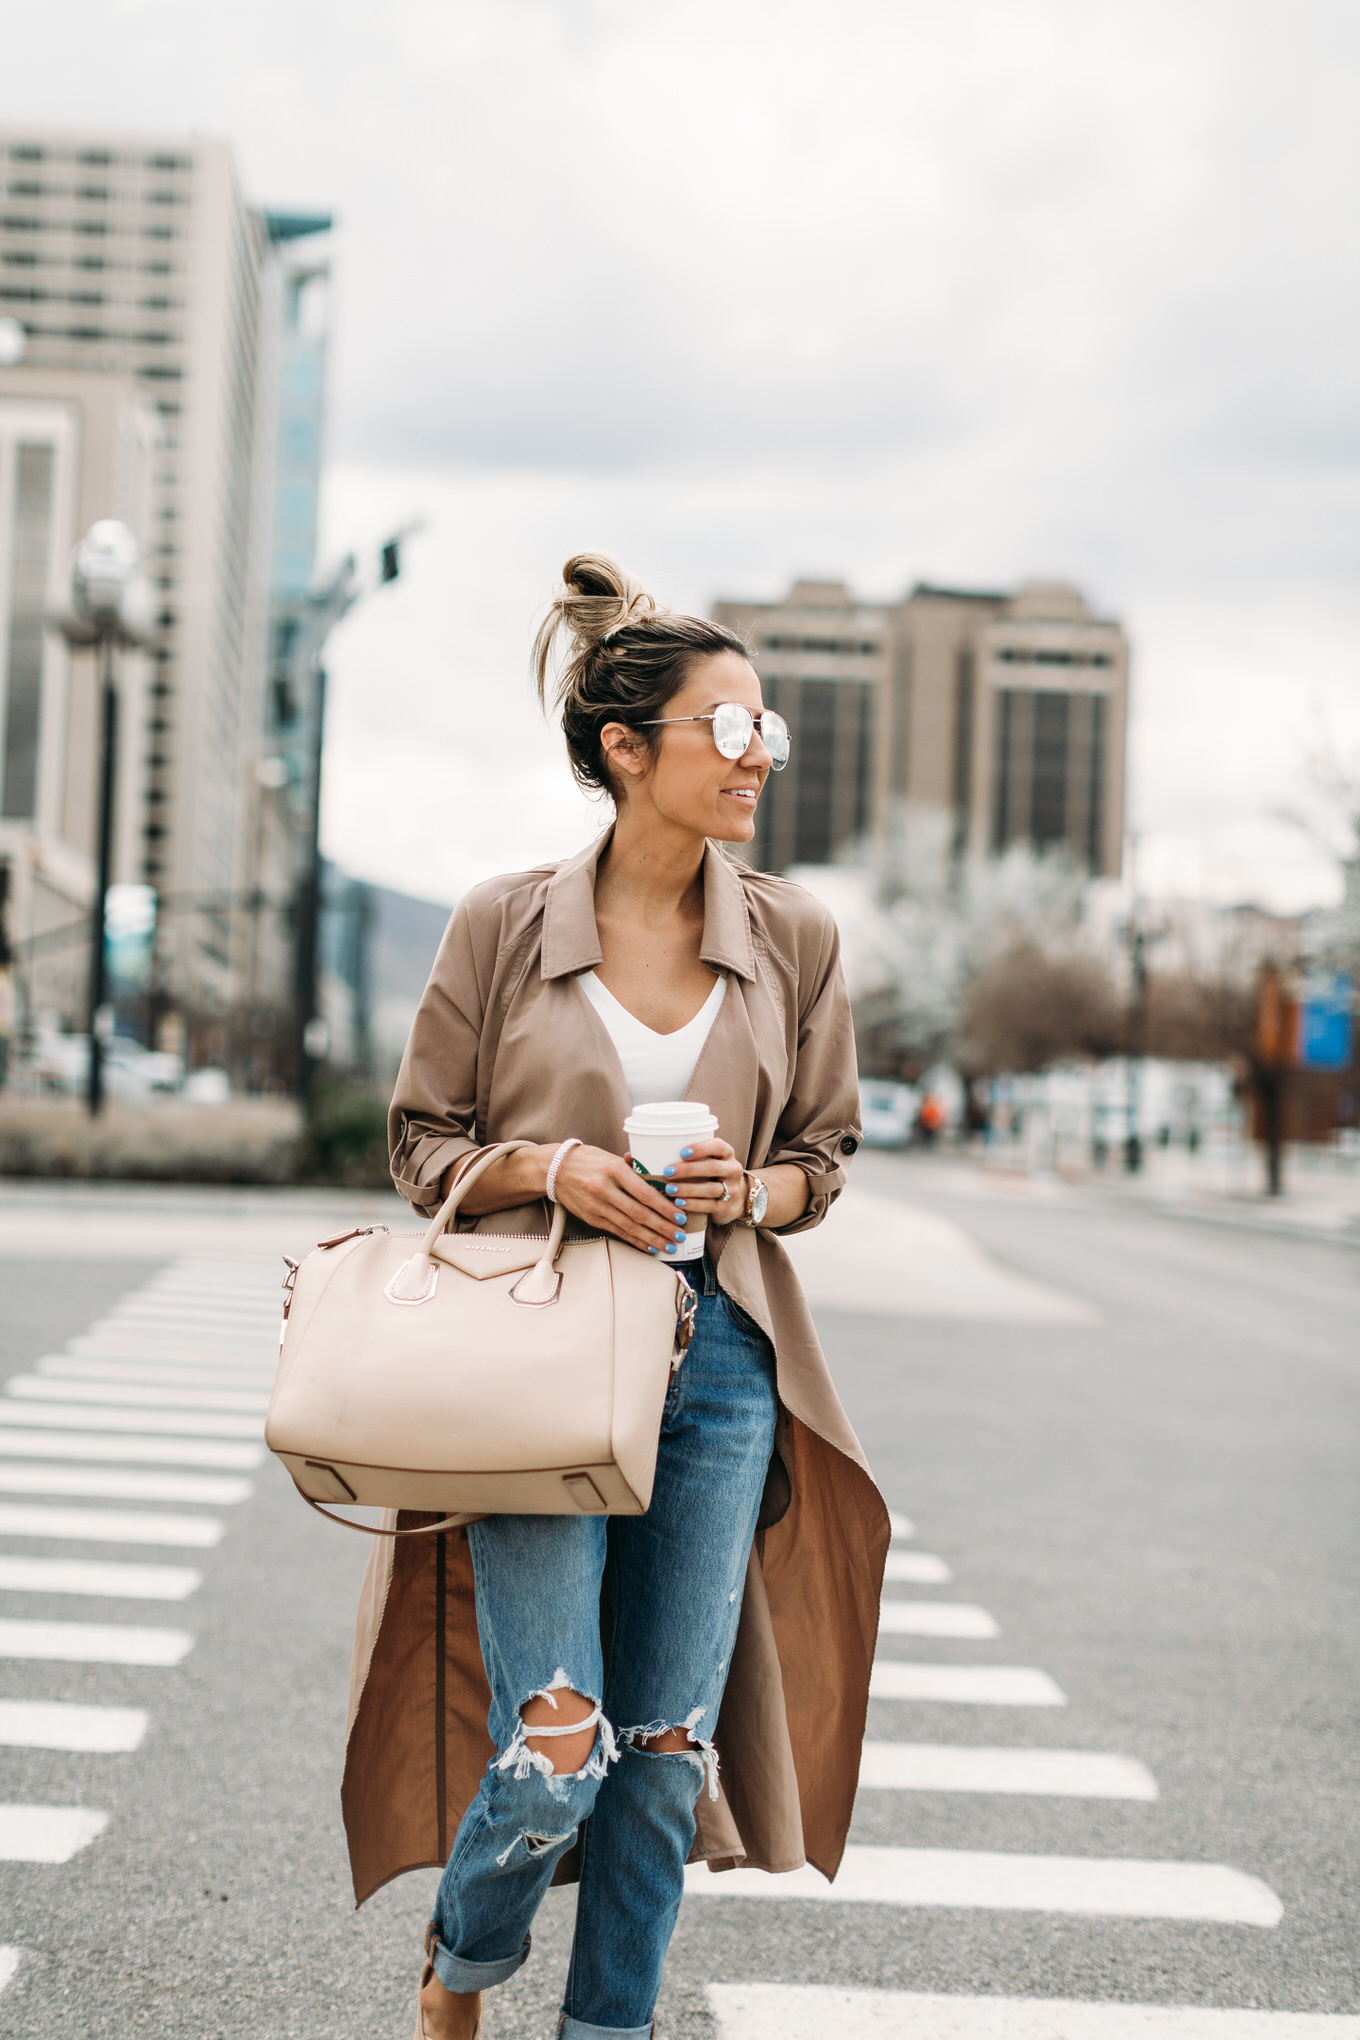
(506, 1046)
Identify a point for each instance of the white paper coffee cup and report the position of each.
(656, 1134)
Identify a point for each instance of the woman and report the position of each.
(650, 967)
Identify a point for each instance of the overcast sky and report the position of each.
(742, 290)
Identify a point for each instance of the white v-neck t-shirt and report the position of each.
(656, 1067)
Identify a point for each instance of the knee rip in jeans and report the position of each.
(677, 1740)
(535, 1844)
(522, 1762)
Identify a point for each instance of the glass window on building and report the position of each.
(29, 537)
(1048, 770)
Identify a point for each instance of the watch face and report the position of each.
(760, 1198)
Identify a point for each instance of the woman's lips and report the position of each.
(749, 794)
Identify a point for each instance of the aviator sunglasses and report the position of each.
(733, 728)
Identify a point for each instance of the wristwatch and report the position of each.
(757, 1201)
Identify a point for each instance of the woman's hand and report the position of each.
(708, 1179)
(610, 1196)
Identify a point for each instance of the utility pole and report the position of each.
(324, 611)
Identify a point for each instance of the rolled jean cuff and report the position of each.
(456, 1974)
(577, 2029)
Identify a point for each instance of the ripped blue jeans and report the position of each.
(670, 1585)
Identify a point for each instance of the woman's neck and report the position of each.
(651, 870)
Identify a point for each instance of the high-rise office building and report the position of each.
(74, 446)
(1004, 712)
(135, 260)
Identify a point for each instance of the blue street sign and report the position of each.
(1325, 1039)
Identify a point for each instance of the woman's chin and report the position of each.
(734, 825)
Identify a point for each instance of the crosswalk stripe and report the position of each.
(134, 1394)
(764, 2011)
(1110, 1887)
(110, 1526)
(47, 1834)
(67, 1725)
(112, 1484)
(187, 1352)
(174, 1374)
(967, 1685)
(57, 1415)
(93, 1643)
(957, 1767)
(901, 1526)
(916, 1569)
(935, 1618)
(97, 1576)
(153, 1451)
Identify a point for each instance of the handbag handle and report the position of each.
(538, 1286)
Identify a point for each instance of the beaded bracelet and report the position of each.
(565, 1149)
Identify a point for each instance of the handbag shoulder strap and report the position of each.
(455, 1522)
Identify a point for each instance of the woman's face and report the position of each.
(686, 780)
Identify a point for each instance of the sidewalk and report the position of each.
(1320, 1199)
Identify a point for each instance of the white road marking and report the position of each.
(65, 1725)
(57, 1416)
(935, 1618)
(134, 1394)
(153, 1451)
(9, 1962)
(955, 1767)
(111, 1484)
(68, 1367)
(97, 1576)
(901, 1527)
(194, 1324)
(47, 1834)
(968, 1685)
(87, 1345)
(917, 1569)
(1109, 1887)
(110, 1526)
(768, 2011)
(93, 1643)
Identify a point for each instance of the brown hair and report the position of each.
(627, 659)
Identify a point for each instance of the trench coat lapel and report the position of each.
(571, 939)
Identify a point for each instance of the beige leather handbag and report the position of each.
(477, 1373)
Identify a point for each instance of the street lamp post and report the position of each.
(109, 604)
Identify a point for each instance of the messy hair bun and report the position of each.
(626, 658)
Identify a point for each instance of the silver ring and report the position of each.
(727, 1192)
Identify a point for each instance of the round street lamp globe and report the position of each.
(13, 343)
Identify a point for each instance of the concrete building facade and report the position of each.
(1003, 711)
(74, 446)
(134, 261)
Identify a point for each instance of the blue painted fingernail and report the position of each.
(679, 1203)
(672, 1250)
(669, 1169)
(685, 1154)
(653, 1250)
(679, 1235)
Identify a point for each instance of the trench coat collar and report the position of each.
(571, 940)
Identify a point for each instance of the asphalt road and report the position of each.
(1157, 1505)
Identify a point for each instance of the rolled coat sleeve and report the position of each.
(432, 1120)
(819, 1128)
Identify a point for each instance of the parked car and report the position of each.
(887, 1113)
(62, 1063)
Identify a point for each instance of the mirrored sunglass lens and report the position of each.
(732, 729)
(775, 735)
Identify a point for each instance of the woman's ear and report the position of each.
(624, 748)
